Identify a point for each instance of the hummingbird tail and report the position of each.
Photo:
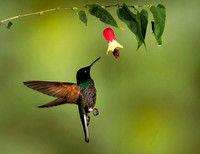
(84, 121)
(56, 102)
(85, 127)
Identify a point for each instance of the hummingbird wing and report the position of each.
(83, 115)
(56, 102)
(65, 90)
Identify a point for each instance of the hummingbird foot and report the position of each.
(95, 112)
(88, 120)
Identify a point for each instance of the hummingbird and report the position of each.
(82, 93)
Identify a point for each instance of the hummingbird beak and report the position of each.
(94, 62)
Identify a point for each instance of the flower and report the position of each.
(110, 37)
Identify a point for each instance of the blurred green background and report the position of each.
(148, 100)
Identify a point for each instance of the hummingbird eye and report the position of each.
(85, 71)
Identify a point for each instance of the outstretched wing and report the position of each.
(58, 101)
(68, 91)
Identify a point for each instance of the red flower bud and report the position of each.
(109, 35)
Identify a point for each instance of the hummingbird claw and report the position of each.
(95, 112)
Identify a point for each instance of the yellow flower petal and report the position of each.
(112, 45)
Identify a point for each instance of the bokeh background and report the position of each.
(148, 101)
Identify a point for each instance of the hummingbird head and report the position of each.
(83, 74)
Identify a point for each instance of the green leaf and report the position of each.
(83, 17)
(159, 16)
(137, 23)
(9, 24)
(101, 13)
(144, 22)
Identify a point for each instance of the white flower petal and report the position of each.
(112, 45)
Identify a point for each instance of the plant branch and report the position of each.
(55, 9)
(30, 14)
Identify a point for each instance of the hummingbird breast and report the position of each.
(89, 94)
